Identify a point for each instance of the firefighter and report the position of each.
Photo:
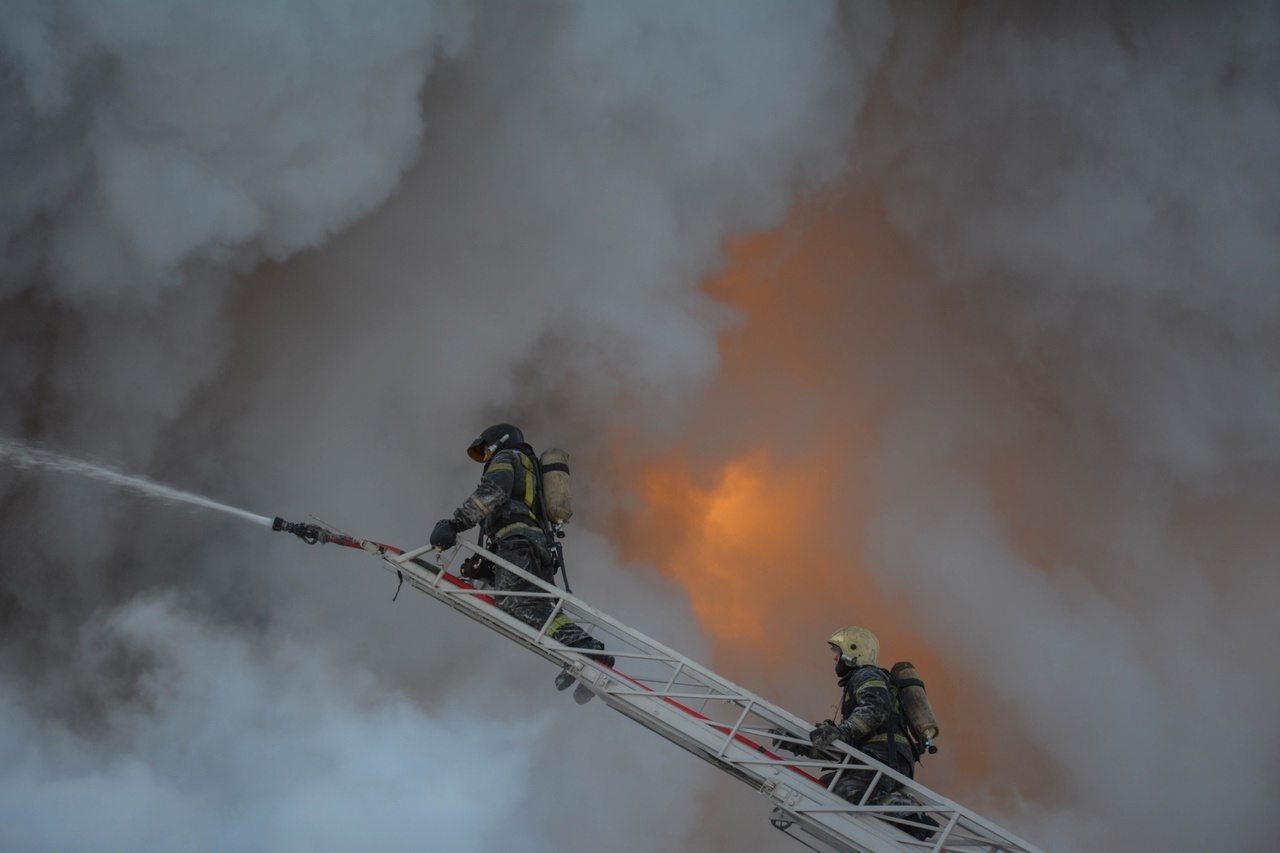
(873, 721)
(507, 507)
(870, 718)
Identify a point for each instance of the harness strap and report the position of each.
(883, 737)
(894, 731)
(515, 525)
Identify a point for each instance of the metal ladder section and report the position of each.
(713, 718)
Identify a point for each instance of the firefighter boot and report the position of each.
(596, 645)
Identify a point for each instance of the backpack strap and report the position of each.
(518, 511)
(553, 544)
(524, 489)
(917, 749)
(895, 732)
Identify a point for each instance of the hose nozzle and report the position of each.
(309, 533)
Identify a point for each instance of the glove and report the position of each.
(825, 734)
(779, 744)
(445, 534)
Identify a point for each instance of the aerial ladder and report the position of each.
(700, 711)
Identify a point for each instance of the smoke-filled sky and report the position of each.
(957, 321)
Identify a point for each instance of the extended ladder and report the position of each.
(713, 718)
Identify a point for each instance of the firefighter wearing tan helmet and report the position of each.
(885, 715)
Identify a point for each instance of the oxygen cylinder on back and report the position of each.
(915, 703)
(556, 498)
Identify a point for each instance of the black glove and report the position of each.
(825, 734)
(780, 744)
(445, 534)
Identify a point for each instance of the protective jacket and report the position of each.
(506, 501)
(508, 509)
(871, 717)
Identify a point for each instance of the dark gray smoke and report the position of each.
(1091, 189)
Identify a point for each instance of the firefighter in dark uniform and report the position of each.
(870, 718)
(507, 507)
(873, 720)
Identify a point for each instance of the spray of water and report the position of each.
(26, 457)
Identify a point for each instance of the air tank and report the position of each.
(915, 703)
(555, 485)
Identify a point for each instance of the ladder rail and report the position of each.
(733, 728)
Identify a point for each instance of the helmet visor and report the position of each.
(476, 450)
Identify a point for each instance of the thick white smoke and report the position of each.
(174, 135)
(550, 183)
(256, 743)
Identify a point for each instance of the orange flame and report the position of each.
(737, 541)
(762, 521)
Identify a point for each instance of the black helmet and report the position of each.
(495, 438)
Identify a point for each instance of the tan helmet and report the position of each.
(857, 645)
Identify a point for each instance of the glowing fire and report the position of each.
(738, 540)
(762, 520)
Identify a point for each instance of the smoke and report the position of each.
(292, 257)
(1111, 258)
(1118, 251)
(1003, 387)
(1038, 322)
(252, 744)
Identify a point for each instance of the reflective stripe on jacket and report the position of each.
(506, 498)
